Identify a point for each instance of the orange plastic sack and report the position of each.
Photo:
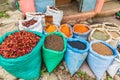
(27, 5)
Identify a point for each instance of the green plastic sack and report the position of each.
(51, 57)
(26, 67)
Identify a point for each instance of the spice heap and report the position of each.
(18, 44)
(77, 44)
(54, 42)
(99, 35)
(102, 49)
(80, 28)
(50, 28)
(29, 23)
(65, 29)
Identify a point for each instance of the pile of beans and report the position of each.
(18, 44)
(29, 23)
(54, 42)
(77, 44)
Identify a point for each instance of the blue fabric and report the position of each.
(41, 5)
(88, 5)
(26, 67)
(99, 63)
(74, 57)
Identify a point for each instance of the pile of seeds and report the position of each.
(102, 49)
(18, 44)
(29, 23)
(77, 44)
(99, 35)
(54, 42)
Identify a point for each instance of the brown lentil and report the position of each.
(102, 49)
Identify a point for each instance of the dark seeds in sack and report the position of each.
(54, 42)
(77, 44)
(102, 49)
(18, 44)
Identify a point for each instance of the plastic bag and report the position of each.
(115, 66)
(30, 15)
(27, 5)
(99, 63)
(41, 5)
(74, 57)
(51, 57)
(35, 27)
(94, 26)
(26, 67)
(57, 15)
(111, 26)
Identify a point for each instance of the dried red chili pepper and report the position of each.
(18, 44)
(29, 23)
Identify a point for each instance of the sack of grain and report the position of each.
(100, 57)
(76, 54)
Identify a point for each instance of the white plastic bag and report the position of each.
(57, 15)
(96, 26)
(114, 67)
(111, 26)
(35, 27)
(30, 15)
(112, 70)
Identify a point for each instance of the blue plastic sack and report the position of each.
(41, 5)
(74, 57)
(99, 63)
(26, 67)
